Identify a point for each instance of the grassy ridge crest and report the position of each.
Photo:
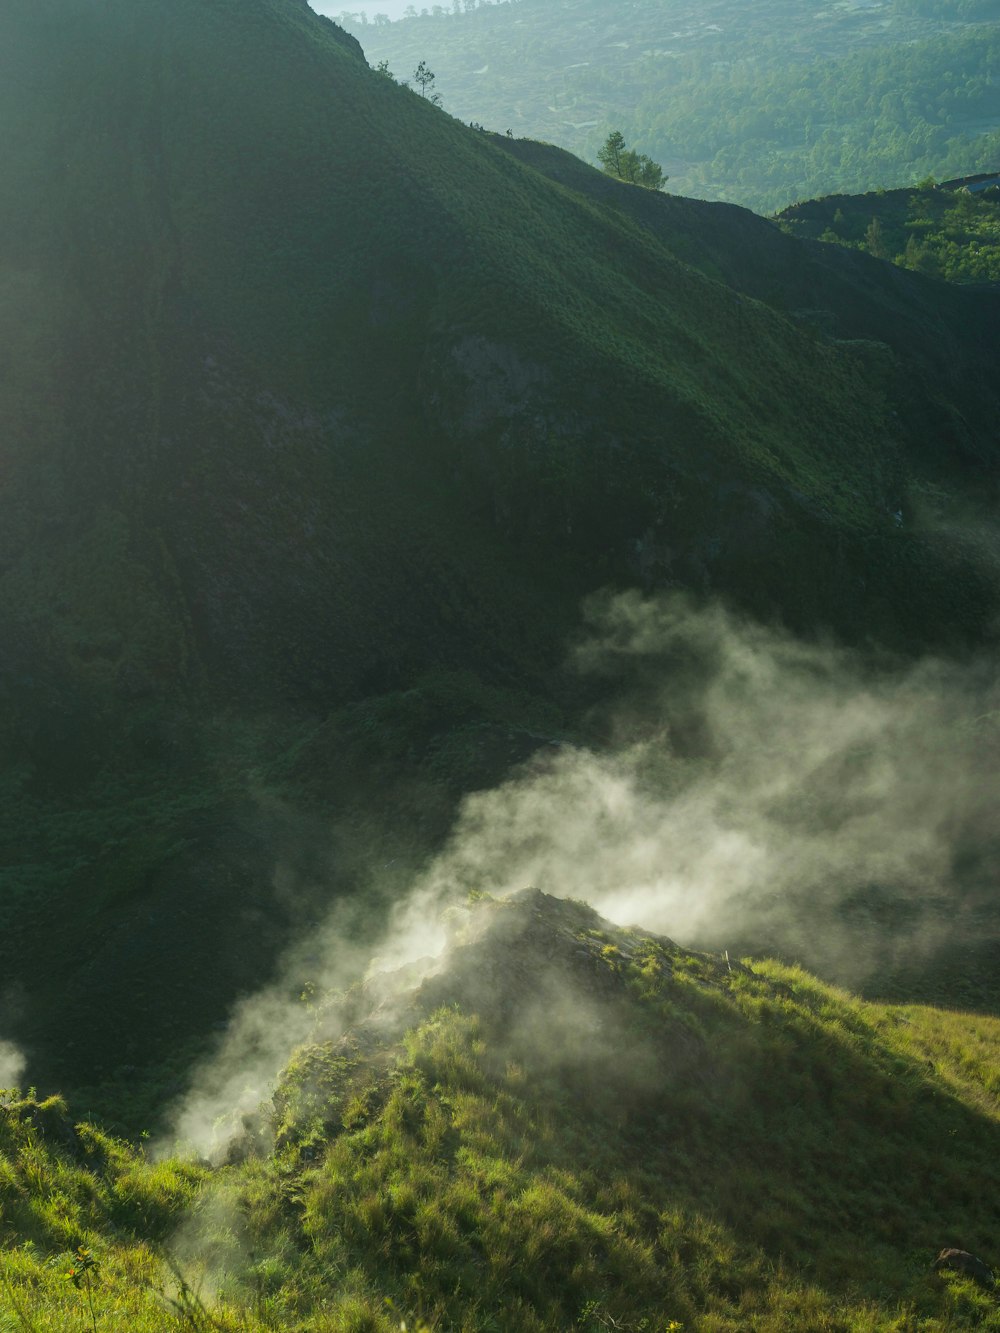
(569, 1125)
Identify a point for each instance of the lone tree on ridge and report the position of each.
(424, 78)
(628, 165)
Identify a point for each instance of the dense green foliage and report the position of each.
(759, 104)
(663, 1140)
(952, 234)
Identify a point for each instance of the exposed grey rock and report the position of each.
(961, 1261)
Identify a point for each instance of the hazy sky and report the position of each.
(394, 8)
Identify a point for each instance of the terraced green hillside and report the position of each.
(322, 413)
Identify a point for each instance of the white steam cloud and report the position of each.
(748, 787)
(12, 1065)
(229, 1088)
(756, 786)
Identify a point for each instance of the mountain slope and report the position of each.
(938, 335)
(323, 412)
(565, 1124)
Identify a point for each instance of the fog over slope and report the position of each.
(753, 786)
(754, 791)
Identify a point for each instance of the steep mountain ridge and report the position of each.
(939, 334)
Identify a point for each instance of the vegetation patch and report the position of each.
(714, 1145)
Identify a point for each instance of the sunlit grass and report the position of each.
(744, 1147)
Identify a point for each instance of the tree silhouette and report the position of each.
(424, 78)
(619, 160)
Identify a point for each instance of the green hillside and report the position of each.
(759, 104)
(330, 425)
(947, 232)
(323, 412)
(568, 1125)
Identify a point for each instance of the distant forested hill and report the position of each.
(760, 104)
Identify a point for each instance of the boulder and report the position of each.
(961, 1261)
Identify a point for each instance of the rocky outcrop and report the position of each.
(961, 1261)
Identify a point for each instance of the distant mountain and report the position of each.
(323, 411)
(759, 104)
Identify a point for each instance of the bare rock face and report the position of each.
(961, 1261)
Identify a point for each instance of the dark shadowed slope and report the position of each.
(940, 337)
(321, 412)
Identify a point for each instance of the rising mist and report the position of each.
(12, 1065)
(750, 791)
